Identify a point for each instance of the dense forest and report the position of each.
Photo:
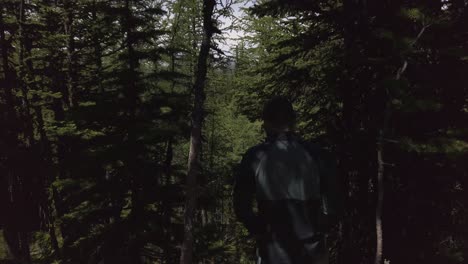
(122, 122)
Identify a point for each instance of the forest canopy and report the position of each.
(122, 123)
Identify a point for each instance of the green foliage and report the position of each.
(339, 64)
(414, 14)
(3, 248)
(95, 131)
(447, 146)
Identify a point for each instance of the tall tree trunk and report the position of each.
(46, 152)
(194, 166)
(8, 82)
(11, 129)
(194, 40)
(97, 50)
(383, 133)
(166, 208)
(17, 240)
(174, 31)
(131, 95)
(44, 145)
(70, 97)
(58, 85)
(28, 122)
(381, 170)
(348, 130)
(18, 245)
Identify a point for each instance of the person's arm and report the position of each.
(243, 195)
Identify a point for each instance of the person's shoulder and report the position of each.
(251, 157)
(256, 151)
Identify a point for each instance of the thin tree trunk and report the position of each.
(8, 80)
(70, 97)
(18, 245)
(194, 166)
(381, 163)
(380, 173)
(17, 241)
(29, 133)
(44, 145)
(380, 195)
(58, 85)
(166, 209)
(175, 28)
(193, 28)
(46, 152)
(97, 50)
(131, 96)
(349, 124)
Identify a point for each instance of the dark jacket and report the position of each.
(293, 183)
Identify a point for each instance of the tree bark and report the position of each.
(380, 172)
(71, 71)
(131, 97)
(97, 50)
(28, 121)
(352, 174)
(8, 82)
(194, 166)
(380, 161)
(17, 240)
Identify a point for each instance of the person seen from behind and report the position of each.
(294, 185)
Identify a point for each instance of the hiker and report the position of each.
(291, 181)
